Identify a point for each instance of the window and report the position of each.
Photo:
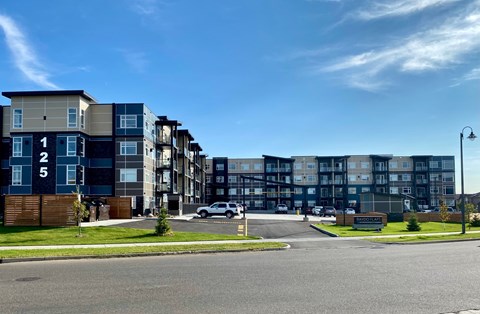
(16, 175)
(208, 179)
(232, 192)
(219, 179)
(128, 148)
(71, 174)
(406, 177)
(434, 190)
(220, 167)
(365, 177)
(128, 175)
(447, 177)
(310, 165)
(394, 190)
(128, 121)
(448, 165)
(232, 179)
(232, 166)
(405, 164)
(71, 145)
(351, 165)
(394, 177)
(245, 167)
(311, 178)
(82, 146)
(257, 166)
(448, 190)
(352, 190)
(297, 178)
(393, 164)
(352, 178)
(434, 164)
(298, 191)
(82, 119)
(17, 147)
(220, 191)
(311, 191)
(364, 164)
(72, 118)
(17, 118)
(297, 166)
(407, 190)
(258, 191)
(365, 189)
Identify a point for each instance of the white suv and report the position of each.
(281, 208)
(220, 208)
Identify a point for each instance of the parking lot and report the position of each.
(268, 226)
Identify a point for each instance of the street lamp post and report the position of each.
(470, 137)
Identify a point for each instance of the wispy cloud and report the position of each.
(136, 60)
(381, 9)
(146, 7)
(24, 56)
(470, 76)
(443, 46)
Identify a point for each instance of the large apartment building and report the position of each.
(53, 141)
(306, 181)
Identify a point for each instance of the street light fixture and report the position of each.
(470, 137)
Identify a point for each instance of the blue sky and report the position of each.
(276, 77)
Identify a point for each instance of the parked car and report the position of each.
(281, 208)
(221, 209)
(449, 209)
(330, 211)
(309, 210)
(349, 211)
(318, 211)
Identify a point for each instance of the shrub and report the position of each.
(413, 224)
(163, 227)
(475, 221)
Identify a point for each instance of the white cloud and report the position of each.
(146, 7)
(24, 57)
(137, 60)
(446, 45)
(470, 76)
(397, 8)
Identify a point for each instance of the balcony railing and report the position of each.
(421, 181)
(421, 168)
(164, 139)
(325, 182)
(163, 163)
(326, 169)
(338, 181)
(163, 187)
(381, 181)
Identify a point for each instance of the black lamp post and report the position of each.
(470, 137)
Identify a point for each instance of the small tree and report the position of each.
(444, 214)
(469, 210)
(79, 210)
(413, 224)
(163, 227)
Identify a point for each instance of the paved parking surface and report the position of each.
(268, 226)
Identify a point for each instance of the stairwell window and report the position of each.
(17, 118)
(16, 175)
(71, 174)
(17, 147)
(72, 117)
(71, 146)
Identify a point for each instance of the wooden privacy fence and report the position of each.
(54, 210)
(348, 219)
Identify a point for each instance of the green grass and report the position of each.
(125, 251)
(423, 238)
(394, 228)
(23, 236)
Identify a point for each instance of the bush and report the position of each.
(163, 227)
(413, 224)
(475, 221)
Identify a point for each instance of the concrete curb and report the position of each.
(324, 231)
(61, 258)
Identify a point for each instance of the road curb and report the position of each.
(61, 258)
(324, 231)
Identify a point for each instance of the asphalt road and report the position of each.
(332, 277)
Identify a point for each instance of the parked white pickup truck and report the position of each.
(221, 209)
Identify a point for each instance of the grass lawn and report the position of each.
(16, 236)
(395, 228)
(125, 251)
(423, 238)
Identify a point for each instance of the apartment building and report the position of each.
(306, 181)
(53, 141)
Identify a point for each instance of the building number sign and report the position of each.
(44, 158)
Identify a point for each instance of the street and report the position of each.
(348, 276)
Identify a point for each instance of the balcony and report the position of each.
(421, 181)
(381, 181)
(163, 187)
(326, 169)
(163, 163)
(338, 181)
(165, 140)
(325, 182)
(421, 168)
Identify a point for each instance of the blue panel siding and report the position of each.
(101, 163)
(20, 189)
(101, 190)
(27, 175)
(21, 161)
(61, 175)
(5, 164)
(66, 189)
(74, 160)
